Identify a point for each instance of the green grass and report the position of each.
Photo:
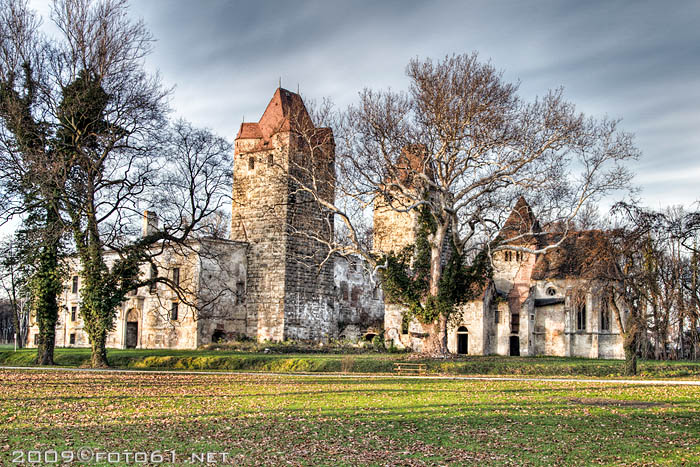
(357, 363)
(275, 420)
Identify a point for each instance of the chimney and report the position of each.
(150, 223)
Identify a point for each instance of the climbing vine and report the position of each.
(406, 278)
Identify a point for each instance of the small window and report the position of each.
(174, 311)
(153, 286)
(518, 255)
(36, 339)
(251, 163)
(75, 284)
(292, 198)
(496, 317)
(508, 256)
(551, 291)
(581, 317)
(73, 313)
(176, 276)
(72, 339)
(270, 160)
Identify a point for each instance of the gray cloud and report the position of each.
(631, 59)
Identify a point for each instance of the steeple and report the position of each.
(521, 221)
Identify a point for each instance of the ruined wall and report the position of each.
(208, 272)
(223, 312)
(359, 300)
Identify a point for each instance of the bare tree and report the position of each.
(15, 283)
(111, 150)
(455, 152)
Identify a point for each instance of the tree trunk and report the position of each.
(44, 354)
(99, 351)
(17, 325)
(435, 343)
(630, 360)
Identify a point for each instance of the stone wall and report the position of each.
(359, 299)
(258, 216)
(210, 273)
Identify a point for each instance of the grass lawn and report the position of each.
(358, 363)
(275, 420)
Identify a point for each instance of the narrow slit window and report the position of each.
(251, 163)
(152, 287)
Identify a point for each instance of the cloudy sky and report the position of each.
(635, 60)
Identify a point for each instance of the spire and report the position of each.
(520, 222)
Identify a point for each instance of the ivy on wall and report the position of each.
(406, 278)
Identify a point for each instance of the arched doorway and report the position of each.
(132, 329)
(462, 340)
(514, 346)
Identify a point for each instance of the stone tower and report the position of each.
(290, 288)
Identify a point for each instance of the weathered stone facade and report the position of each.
(543, 304)
(273, 279)
(211, 272)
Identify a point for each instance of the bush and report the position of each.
(378, 343)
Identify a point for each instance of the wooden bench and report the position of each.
(412, 369)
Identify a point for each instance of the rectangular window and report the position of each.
(36, 339)
(72, 339)
(251, 163)
(174, 311)
(581, 317)
(605, 319)
(75, 284)
(73, 313)
(152, 287)
(495, 316)
(176, 276)
(270, 160)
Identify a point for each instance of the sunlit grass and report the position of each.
(329, 421)
(358, 363)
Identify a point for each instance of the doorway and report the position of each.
(514, 346)
(132, 334)
(462, 341)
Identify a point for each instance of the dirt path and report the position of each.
(656, 382)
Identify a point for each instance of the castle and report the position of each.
(273, 279)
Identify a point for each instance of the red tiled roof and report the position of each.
(284, 110)
(582, 254)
